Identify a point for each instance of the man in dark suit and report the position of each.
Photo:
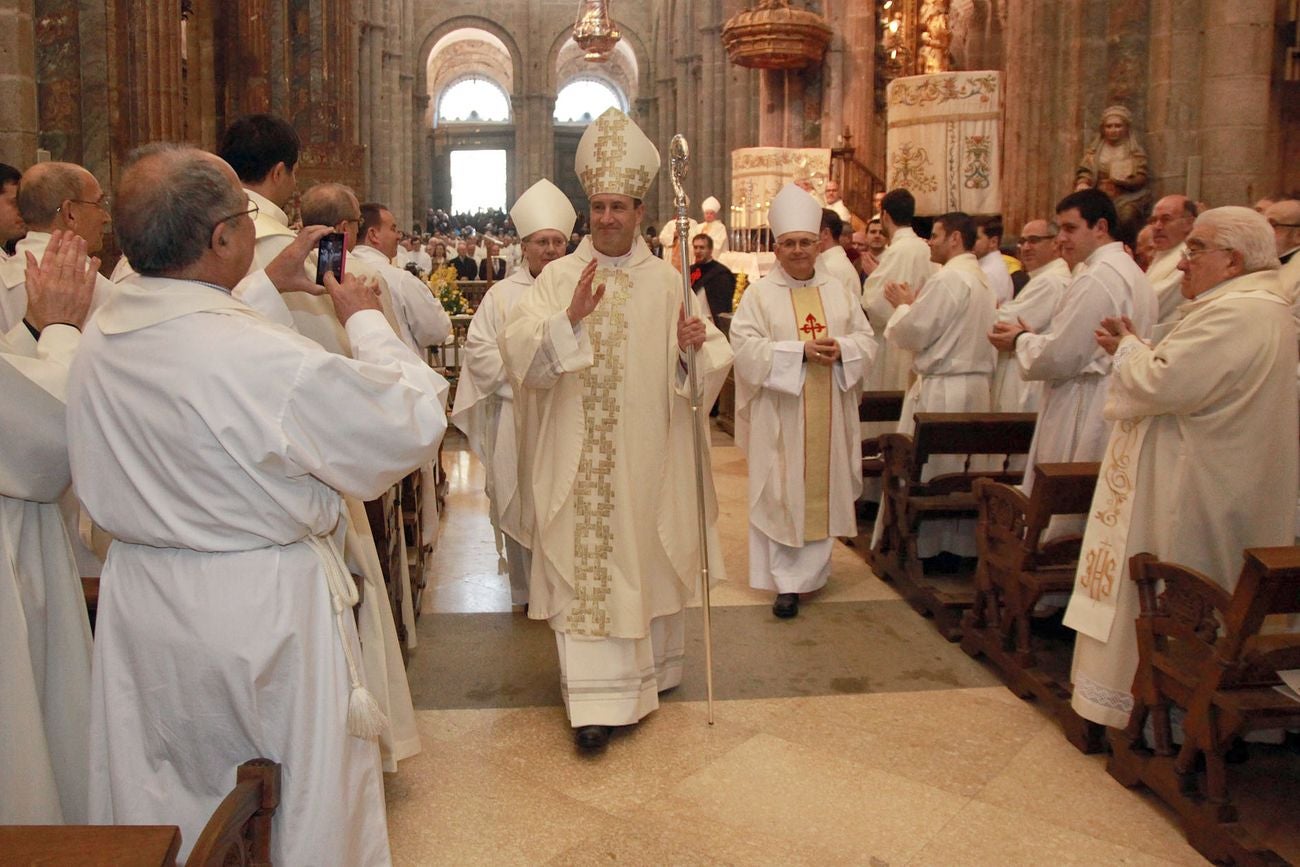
(466, 267)
(712, 277)
(493, 266)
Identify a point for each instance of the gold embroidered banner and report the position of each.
(1103, 560)
(944, 141)
(810, 320)
(757, 175)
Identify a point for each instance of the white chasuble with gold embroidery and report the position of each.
(603, 423)
(797, 421)
(1201, 464)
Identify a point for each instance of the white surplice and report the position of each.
(1218, 393)
(1167, 281)
(420, 317)
(770, 374)
(834, 262)
(605, 421)
(1072, 367)
(44, 631)
(946, 331)
(905, 260)
(1034, 306)
(995, 269)
(13, 281)
(485, 411)
(214, 445)
(271, 229)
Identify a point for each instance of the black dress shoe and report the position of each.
(591, 738)
(786, 605)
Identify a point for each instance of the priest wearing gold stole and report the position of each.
(1202, 459)
(484, 407)
(803, 349)
(595, 352)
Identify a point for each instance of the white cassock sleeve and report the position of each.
(1069, 345)
(915, 326)
(429, 323)
(329, 425)
(480, 356)
(257, 291)
(561, 348)
(46, 361)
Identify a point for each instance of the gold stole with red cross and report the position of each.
(810, 319)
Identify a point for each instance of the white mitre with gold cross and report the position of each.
(794, 210)
(614, 156)
(543, 206)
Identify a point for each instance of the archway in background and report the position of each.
(472, 99)
(583, 100)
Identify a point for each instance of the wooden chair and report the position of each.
(877, 406)
(238, 833)
(907, 501)
(1200, 648)
(1016, 568)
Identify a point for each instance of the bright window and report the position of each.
(584, 100)
(478, 181)
(474, 100)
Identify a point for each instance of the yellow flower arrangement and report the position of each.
(442, 283)
(742, 283)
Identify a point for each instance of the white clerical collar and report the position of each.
(1057, 264)
(794, 282)
(612, 261)
(267, 208)
(1103, 251)
(903, 232)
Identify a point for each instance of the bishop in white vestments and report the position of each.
(1202, 460)
(595, 352)
(44, 631)
(485, 406)
(803, 348)
(215, 445)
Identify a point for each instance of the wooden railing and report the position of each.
(858, 184)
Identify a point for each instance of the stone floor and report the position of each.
(929, 761)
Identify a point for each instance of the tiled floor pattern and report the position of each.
(951, 776)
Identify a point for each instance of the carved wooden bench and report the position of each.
(239, 832)
(1200, 648)
(908, 501)
(1016, 568)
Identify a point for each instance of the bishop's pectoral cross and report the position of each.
(811, 327)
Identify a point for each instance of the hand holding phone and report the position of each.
(331, 255)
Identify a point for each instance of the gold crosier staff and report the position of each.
(679, 153)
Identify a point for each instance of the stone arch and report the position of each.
(437, 31)
(631, 48)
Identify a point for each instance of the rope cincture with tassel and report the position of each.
(365, 718)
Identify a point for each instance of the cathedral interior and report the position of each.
(855, 734)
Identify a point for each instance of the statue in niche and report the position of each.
(1117, 165)
(936, 37)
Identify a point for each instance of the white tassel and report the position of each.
(365, 719)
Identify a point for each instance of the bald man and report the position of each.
(1171, 221)
(53, 196)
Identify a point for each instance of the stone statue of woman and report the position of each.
(1117, 165)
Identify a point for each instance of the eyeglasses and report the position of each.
(1276, 225)
(1191, 253)
(252, 213)
(104, 202)
(1035, 239)
(797, 243)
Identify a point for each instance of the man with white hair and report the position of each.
(215, 446)
(803, 348)
(944, 324)
(595, 351)
(485, 407)
(1193, 415)
(835, 203)
(1171, 221)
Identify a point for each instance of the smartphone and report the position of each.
(330, 257)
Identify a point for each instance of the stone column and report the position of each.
(1237, 148)
(1173, 95)
(18, 83)
(60, 93)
